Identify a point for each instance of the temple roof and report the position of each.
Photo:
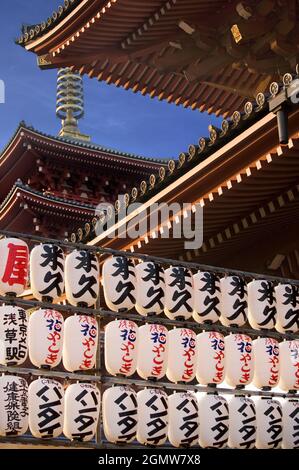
(71, 143)
(27, 144)
(209, 56)
(230, 130)
(23, 202)
(33, 195)
(248, 191)
(243, 178)
(32, 32)
(30, 152)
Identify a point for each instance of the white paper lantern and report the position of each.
(290, 424)
(261, 304)
(14, 266)
(206, 297)
(150, 288)
(153, 351)
(45, 338)
(266, 362)
(82, 403)
(242, 423)
(47, 272)
(178, 293)
(233, 301)
(238, 359)
(121, 347)
(269, 423)
(152, 425)
(46, 402)
(13, 335)
(289, 365)
(120, 414)
(119, 283)
(183, 426)
(210, 365)
(82, 278)
(80, 342)
(213, 419)
(13, 406)
(287, 304)
(181, 364)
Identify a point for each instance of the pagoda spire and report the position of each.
(70, 103)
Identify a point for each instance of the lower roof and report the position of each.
(22, 198)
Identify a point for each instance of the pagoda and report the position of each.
(51, 185)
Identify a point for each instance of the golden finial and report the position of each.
(70, 103)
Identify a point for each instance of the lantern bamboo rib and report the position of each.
(144, 257)
(109, 380)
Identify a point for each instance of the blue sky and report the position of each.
(114, 117)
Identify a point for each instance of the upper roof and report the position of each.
(20, 154)
(204, 55)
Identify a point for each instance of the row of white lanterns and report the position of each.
(149, 416)
(210, 357)
(150, 350)
(204, 296)
(146, 287)
(188, 418)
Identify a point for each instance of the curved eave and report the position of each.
(11, 146)
(16, 161)
(116, 41)
(18, 157)
(38, 202)
(63, 28)
(82, 150)
(45, 201)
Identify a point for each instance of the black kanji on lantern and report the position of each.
(220, 428)
(49, 410)
(157, 425)
(267, 294)
(124, 267)
(291, 296)
(127, 404)
(294, 415)
(125, 287)
(86, 417)
(275, 425)
(55, 282)
(190, 420)
(155, 292)
(248, 426)
(239, 289)
(181, 280)
(53, 257)
(87, 262)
